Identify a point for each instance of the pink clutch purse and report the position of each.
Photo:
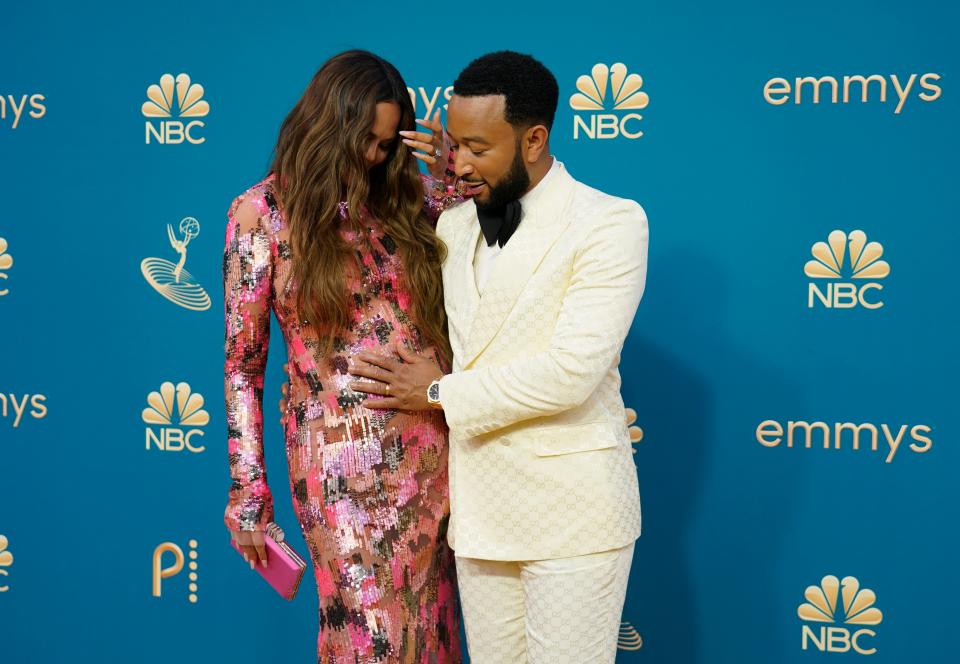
(285, 567)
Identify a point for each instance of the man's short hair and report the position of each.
(530, 89)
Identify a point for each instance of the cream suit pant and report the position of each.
(562, 611)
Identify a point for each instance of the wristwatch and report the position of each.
(433, 394)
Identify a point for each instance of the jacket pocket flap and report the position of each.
(568, 439)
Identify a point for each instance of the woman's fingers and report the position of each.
(419, 136)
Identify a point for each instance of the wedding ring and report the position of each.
(388, 388)
(437, 153)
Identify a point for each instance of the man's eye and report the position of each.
(477, 153)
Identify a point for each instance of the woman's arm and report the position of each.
(247, 293)
(441, 187)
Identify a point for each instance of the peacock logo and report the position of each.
(160, 572)
(6, 262)
(591, 96)
(636, 433)
(174, 97)
(171, 279)
(839, 603)
(6, 559)
(176, 413)
(628, 638)
(846, 256)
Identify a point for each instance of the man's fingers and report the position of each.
(387, 403)
(369, 387)
(407, 354)
(377, 360)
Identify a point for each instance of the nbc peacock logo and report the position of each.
(625, 95)
(171, 279)
(636, 433)
(174, 98)
(628, 638)
(844, 257)
(176, 414)
(6, 262)
(839, 633)
(6, 559)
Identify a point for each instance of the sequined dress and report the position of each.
(369, 486)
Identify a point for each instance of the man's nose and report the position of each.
(461, 165)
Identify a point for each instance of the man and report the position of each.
(541, 283)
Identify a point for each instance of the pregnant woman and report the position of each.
(338, 243)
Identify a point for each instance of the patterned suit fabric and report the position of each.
(540, 462)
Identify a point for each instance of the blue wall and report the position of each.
(737, 523)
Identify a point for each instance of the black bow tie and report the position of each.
(498, 225)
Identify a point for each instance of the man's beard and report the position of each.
(512, 186)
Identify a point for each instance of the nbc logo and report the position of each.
(6, 262)
(829, 262)
(628, 638)
(6, 559)
(636, 433)
(160, 572)
(174, 98)
(625, 94)
(822, 607)
(171, 280)
(177, 412)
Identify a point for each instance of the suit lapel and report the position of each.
(539, 229)
(460, 285)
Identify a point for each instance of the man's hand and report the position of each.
(403, 385)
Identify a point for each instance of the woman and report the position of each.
(335, 242)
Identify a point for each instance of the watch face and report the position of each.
(434, 392)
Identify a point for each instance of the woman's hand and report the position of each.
(252, 546)
(431, 147)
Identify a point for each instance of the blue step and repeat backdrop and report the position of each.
(791, 376)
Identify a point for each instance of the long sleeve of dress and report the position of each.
(441, 193)
(247, 295)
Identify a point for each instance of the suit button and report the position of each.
(505, 442)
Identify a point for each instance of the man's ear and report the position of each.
(534, 141)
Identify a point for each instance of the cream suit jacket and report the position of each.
(541, 464)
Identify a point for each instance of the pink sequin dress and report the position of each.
(369, 486)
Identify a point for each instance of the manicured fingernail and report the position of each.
(405, 132)
(251, 564)
(264, 562)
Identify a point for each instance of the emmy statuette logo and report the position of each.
(177, 412)
(174, 98)
(6, 559)
(162, 571)
(625, 95)
(171, 279)
(6, 262)
(844, 612)
(841, 258)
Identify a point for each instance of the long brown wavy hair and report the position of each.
(319, 162)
